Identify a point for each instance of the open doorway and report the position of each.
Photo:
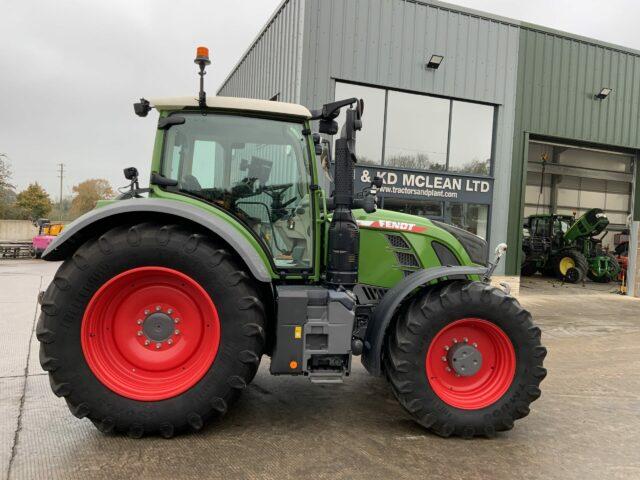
(578, 205)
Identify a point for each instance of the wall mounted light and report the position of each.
(604, 93)
(435, 61)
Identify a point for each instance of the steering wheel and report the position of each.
(276, 192)
(277, 189)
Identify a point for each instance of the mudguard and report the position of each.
(386, 309)
(83, 227)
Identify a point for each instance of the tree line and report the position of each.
(34, 202)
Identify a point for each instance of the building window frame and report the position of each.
(386, 90)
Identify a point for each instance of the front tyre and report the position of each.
(150, 329)
(570, 266)
(465, 359)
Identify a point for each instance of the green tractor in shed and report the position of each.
(561, 246)
(169, 296)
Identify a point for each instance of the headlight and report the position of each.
(476, 247)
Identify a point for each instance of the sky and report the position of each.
(70, 70)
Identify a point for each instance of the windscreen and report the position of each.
(257, 169)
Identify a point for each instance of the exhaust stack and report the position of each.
(344, 235)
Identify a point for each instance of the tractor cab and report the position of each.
(255, 168)
(548, 228)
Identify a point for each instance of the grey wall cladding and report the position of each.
(271, 65)
(387, 43)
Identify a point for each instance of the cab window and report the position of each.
(256, 169)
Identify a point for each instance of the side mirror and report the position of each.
(370, 203)
(329, 112)
(142, 108)
(130, 173)
(316, 143)
(326, 150)
(359, 112)
(328, 126)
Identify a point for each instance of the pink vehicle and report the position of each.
(47, 231)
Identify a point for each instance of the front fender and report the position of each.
(96, 221)
(386, 309)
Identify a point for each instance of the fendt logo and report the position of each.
(391, 225)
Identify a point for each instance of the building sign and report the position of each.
(418, 184)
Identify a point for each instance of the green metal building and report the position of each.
(559, 77)
(471, 118)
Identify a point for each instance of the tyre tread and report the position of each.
(53, 322)
(403, 363)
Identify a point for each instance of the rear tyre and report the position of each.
(431, 351)
(151, 329)
(528, 269)
(570, 266)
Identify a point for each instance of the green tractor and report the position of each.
(561, 246)
(169, 296)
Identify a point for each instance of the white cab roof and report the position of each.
(233, 103)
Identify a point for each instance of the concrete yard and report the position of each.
(585, 425)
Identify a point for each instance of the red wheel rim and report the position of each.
(492, 379)
(150, 333)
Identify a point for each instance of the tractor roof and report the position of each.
(233, 103)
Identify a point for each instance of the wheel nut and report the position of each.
(475, 345)
(448, 369)
(158, 308)
(139, 333)
(170, 311)
(176, 331)
(446, 347)
(176, 320)
(465, 340)
(169, 341)
(444, 359)
(139, 322)
(146, 312)
(147, 342)
(455, 340)
(158, 345)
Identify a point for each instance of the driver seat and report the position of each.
(190, 183)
